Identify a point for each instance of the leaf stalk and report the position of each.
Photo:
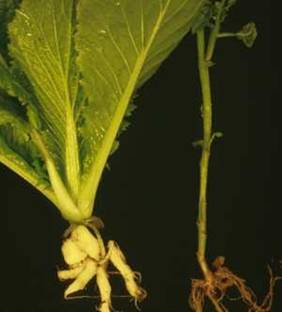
(65, 204)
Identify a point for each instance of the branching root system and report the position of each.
(222, 279)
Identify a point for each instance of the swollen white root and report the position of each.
(118, 260)
(86, 242)
(85, 275)
(86, 259)
(72, 254)
(104, 289)
(70, 274)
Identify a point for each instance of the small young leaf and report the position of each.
(228, 5)
(203, 19)
(248, 34)
(209, 13)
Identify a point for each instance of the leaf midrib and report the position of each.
(92, 183)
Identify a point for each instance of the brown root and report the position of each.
(222, 280)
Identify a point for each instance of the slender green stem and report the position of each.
(206, 145)
(215, 31)
(204, 59)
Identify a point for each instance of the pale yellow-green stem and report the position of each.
(206, 144)
(204, 63)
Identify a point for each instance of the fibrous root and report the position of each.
(220, 280)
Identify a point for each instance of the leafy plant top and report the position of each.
(67, 83)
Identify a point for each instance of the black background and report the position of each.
(148, 200)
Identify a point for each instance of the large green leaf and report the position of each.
(10, 83)
(7, 10)
(121, 43)
(17, 151)
(42, 44)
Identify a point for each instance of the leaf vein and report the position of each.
(129, 31)
(121, 53)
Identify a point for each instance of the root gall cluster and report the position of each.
(87, 258)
